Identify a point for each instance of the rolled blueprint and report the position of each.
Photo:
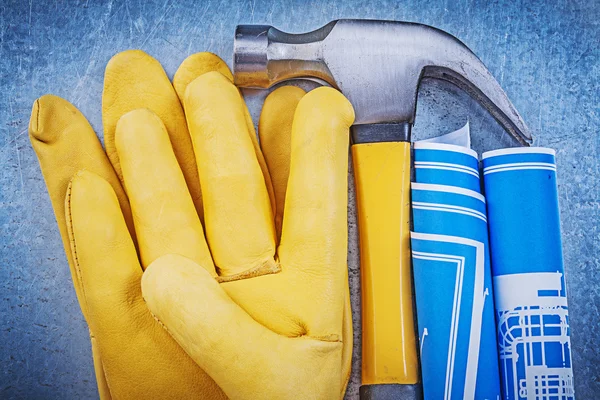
(453, 292)
(446, 164)
(529, 284)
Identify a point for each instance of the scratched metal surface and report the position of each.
(545, 55)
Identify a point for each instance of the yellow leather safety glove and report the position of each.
(133, 355)
(273, 327)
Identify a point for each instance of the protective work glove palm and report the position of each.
(134, 357)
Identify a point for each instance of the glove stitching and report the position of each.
(73, 243)
(77, 268)
(333, 338)
(155, 318)
(37, 120)
(328, 338)
(267, 267)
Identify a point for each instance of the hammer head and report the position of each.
(378, 65)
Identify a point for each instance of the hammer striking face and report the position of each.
(378, 65)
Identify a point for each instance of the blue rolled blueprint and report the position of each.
(529, 284)
(446, 164)
(453, 293)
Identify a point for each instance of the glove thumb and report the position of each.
(246, 359)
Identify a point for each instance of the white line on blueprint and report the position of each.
(518, 169)
(419, 205)
(518, 150)
(447, 189)
(447, 167)
(425, 333)
(518, 166)
(476, 323)
(460, 263)
(478, 302)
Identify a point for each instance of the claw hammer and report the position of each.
(378, 66)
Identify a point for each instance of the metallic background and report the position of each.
(544, 54)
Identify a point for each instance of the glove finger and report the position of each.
(275, 132)
(195, 65)
(133, 80)
(248, 361)
(238, 217)
(314, 230)
(201, 63)
(65, 143)
(139, 357)
(165, 218)
(99, 241)
(103, 390)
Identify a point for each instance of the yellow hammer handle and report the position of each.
(389, 346)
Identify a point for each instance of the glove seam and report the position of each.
(333, 338)
(73, 243)
(76, 267)
(268, 267)
(327, 339)
(37, 118)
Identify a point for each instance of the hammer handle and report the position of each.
(389, 347)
